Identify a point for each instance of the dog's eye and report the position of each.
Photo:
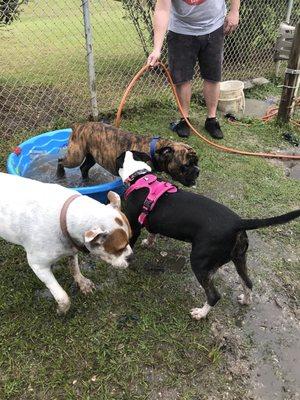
(97, 244)
(119, 252)
(193, 161)
(184, 168)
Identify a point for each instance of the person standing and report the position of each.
(196, 30)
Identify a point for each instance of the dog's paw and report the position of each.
(244, 299)
(86, 285)
(60, 171)
(200, 313)
(63, 306)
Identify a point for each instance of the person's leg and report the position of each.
(182, 57)
(184, 92)
(211, 92)
(210, 59)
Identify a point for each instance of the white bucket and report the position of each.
(232, 99)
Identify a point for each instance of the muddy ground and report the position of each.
(260, 343)
(134, 339)
(271, 324)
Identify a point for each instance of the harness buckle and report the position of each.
(147, 206)
(136, 174)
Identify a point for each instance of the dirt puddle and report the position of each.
(291, 167)
(276, 351)
(270, 324)
(260, 343)
(270, 367)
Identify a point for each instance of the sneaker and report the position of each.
(213, 128)
(181, 128)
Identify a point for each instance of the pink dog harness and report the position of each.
(156, 190)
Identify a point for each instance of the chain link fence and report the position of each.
(43, 58)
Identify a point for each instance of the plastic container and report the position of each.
(52, 143)
(232, 99)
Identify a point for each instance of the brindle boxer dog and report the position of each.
(96, 142)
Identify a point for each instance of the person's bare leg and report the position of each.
(211, 92)
(184, 92)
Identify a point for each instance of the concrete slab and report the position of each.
(248, 84)
(255, 108)
(260, 81)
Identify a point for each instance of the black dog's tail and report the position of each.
(248, 224)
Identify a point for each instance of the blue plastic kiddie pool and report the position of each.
(51, 143)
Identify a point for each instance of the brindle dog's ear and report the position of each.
(166, 153)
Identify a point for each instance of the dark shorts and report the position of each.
(185, 50)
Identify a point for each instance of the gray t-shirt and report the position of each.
(196, 17)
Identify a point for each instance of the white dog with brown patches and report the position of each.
(31, 216)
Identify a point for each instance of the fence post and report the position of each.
(287, 20)
(291, 80)
(289, 11)
(90, 56)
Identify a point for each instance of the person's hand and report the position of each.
(231, 22)
(153, 58)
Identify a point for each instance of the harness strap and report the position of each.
(63, 223)
(156, 190)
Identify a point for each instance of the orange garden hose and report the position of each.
(203, 138)
(271, 112)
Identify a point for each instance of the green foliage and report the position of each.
(9, 11)
(134, 338)
(140, 13)
(259, 22)
(257, 32)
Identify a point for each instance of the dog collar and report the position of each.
(153, 143)
(136, 174)
(63, 223)
(156, 190)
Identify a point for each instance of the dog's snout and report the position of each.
(197, 171)
(129, 258)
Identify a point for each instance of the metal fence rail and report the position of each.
(44, 80)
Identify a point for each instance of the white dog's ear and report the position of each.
(120, 172)
(130, 165)
(95, 235)
(114, 200)
(128, 156)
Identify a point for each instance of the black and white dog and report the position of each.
(217, 234)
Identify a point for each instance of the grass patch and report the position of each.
(133, 338)
(262, 92)
(44, 68)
